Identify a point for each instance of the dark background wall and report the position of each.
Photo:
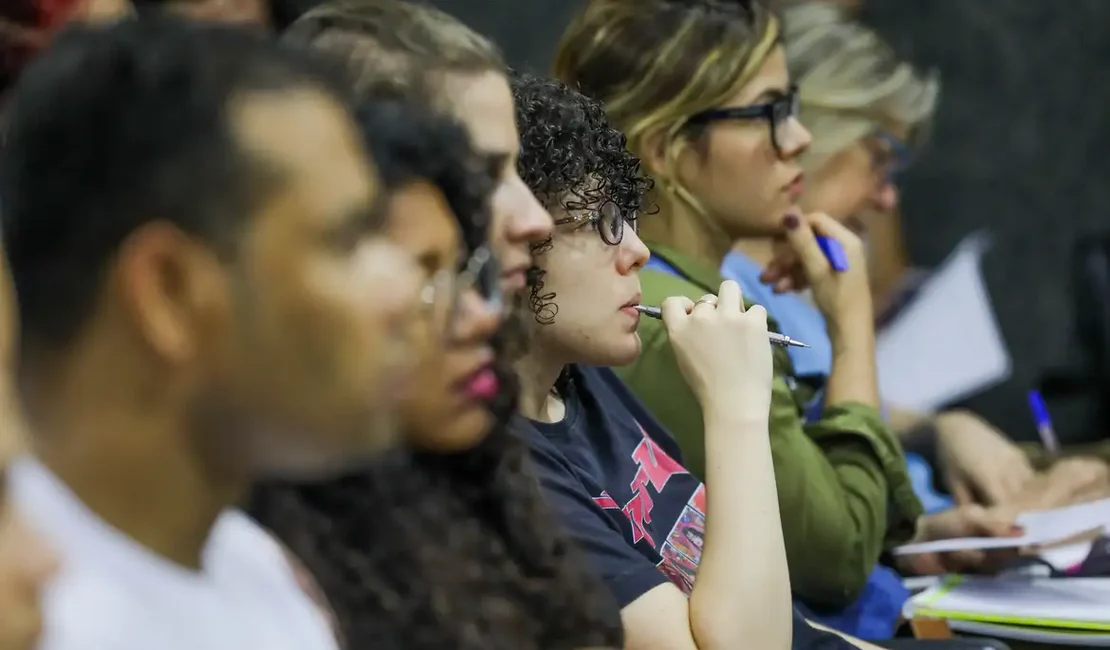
(1021, 146)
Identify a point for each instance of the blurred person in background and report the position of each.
(448, 543)
(703, 92)
(867, 111)
(252, 13)
(26, 26)
(864, 109)
(178, 345)
(26, 560)
(394, 47)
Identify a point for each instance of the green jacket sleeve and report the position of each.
(843, 490)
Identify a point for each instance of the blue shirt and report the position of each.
(796, 318)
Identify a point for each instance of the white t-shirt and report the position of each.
(113, 594)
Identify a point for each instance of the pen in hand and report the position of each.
(775, 338)
(1043, 421)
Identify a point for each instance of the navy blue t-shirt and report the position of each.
(615, 479)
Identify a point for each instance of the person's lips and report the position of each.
(482, 385)
(795, 187)
(514, 280)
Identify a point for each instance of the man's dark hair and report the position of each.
(115, 126)
(570, 157)
(425, 551)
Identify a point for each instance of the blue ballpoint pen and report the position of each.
(1043, 421)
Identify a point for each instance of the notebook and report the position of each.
(1079, 604)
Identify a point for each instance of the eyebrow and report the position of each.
(770, 95)
(374, 216)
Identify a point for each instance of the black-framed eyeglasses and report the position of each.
(893, 156)
(607, 219)
(777, 112)
(442, 294)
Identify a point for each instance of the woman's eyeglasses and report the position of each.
(890, 155)
(777, 112)
(442, 294)
(607, 219)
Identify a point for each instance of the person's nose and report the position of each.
(634, 253)
(797, 139)
(525, 219)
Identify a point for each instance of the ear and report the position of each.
(172, 287)
(653, 156)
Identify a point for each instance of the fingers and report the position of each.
(802, 239)
(822, 224)
(961, 493)
(707, 302)
(674, 309)
(730, 298)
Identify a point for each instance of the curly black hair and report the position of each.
(571, 157)
(434, 551)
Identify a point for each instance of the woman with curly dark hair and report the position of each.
(449, 544)
(611, 472)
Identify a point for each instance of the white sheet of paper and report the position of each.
(1041, 528)
(946, 344)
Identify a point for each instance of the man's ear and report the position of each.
(170, 285)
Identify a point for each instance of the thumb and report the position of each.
(800, 236)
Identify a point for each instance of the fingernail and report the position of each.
(1017, 530)
(791, 221)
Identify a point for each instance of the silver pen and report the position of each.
(776, 339)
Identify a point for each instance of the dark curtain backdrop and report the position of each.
(1021, 146)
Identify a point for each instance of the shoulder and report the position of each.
(85, 607)
(242, 548)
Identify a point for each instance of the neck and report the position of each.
(686, 231)
(133, 462)
(760, 250)
(537, 373)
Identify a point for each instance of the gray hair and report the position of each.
(851, 82)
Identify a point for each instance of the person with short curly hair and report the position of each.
(611, 472)
(447, 545)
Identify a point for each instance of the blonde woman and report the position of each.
(866, 110)
(703, 93)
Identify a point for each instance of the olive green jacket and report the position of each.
(843, 490)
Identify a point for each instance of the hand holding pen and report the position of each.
(819, 253)
(721, 349)
(774, 337)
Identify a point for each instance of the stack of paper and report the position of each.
(946, 344)
(1042, 528)
(1070, 611)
